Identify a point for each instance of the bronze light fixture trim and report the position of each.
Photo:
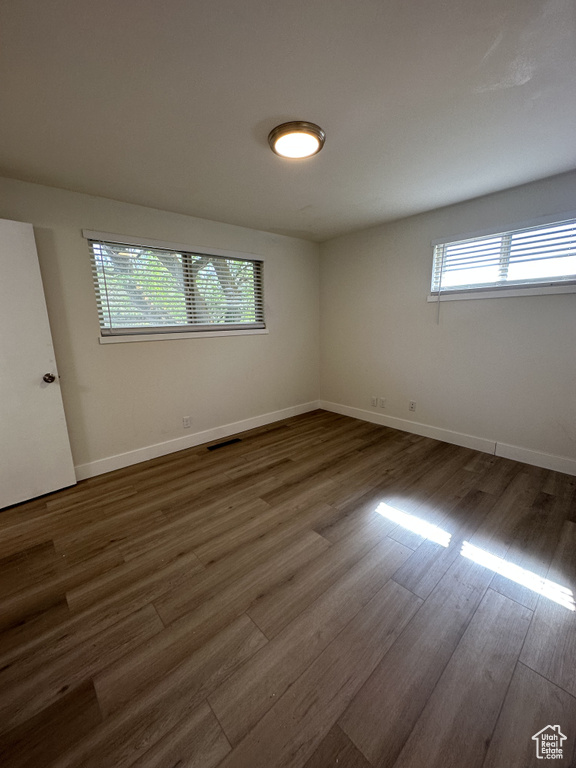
(296, 139)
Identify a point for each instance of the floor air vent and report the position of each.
(226, 442)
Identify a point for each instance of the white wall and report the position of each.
(121, 398)
(500, 369)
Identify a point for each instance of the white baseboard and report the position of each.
(536, 458)
(525, 455)
(120, 460)
(405, 425)
(517, 453)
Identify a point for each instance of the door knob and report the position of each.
(49, 378)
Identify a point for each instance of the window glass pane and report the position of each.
(141, 288)
(542, 253)
(224, 290)
(533, 270)
(471, 265)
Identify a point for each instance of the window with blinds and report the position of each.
(535, 256)
(142, 289)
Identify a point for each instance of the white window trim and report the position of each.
(90, 234)
(502, 293)
(505, 291)
(177, 336)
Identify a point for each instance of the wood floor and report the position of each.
(325, 592)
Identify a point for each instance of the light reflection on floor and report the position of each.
(415, 524)
(549, 589)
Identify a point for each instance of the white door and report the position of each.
(35, 455)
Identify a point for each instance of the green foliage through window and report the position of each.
(143, 290)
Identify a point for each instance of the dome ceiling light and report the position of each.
(296, 139)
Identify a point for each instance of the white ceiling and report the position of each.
(168, 103)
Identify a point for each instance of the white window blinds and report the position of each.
(142, 289)
(543, 255)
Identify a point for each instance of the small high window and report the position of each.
(541, 256)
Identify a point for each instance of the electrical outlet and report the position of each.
(382, 402)
(412, 405)
(187, 422)
(374, 402)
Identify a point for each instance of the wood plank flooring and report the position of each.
(325, 592)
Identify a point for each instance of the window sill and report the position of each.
(502, 293)
(174, 336)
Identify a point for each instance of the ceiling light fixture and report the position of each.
(296, 139)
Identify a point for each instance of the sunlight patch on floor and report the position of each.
(542, 586)
(551, 590)
(415, 524)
